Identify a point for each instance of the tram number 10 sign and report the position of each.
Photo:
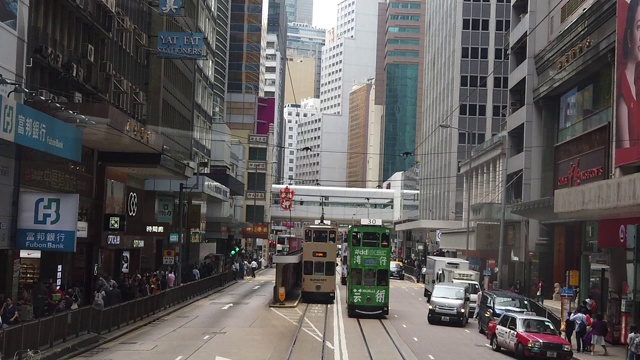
(371, 222)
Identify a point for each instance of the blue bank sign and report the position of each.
(47, 221)
(34, 129)
(181, 45)
(170, 7)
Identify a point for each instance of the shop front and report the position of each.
(7, 213)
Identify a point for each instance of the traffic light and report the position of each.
(234, 251)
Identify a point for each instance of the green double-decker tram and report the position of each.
(368, 270)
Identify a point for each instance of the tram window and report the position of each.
(355, 239)
(330, 268)
(356, 276)
(308, 235)
(383, 278)
(370, 239)
(320, 236)
(332, 237)
(385, 240)
(318, 268)
(369, 277)
(281, 240)
(308, 267)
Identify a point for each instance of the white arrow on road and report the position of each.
(221, 358)
(255, 287)
(227, 306)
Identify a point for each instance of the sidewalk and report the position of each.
(615, 351)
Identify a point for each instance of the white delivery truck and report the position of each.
(468, 277)
(434, 270)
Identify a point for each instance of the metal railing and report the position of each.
(544, 312)
(45, 333)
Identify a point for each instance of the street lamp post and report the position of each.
(468, 212)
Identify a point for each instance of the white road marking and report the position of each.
(430, 357)
(415, 339)
(336, 354)
(227, 306)
(205, 338)
(395, 315)
(467, 331)
(343, 341)
(487, 345)
(403, 325)
(179, 357)
(256, 287)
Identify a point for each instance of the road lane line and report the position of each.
(467, 331)
(487, 345)
(395, 315)
(336, 340)
(256, 287)
(343, 340)
(430, 357)
(179, 357)
(205, 338)
(415, 339)
(403, 325)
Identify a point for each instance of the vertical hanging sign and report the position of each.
(170, 7)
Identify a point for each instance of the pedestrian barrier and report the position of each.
(542, 311)
(49, 331)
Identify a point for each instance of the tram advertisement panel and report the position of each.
(369, 277)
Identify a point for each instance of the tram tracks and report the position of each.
(313, 318)
(377, 341)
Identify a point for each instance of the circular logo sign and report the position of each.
(622, 234)
(132, 204)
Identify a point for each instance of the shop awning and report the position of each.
(539, 209)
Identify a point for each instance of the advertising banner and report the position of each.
(627, 134)
(31, 128)
(47, 221)
(165, 210)
(126, 260)
(170, 7)
(181, 45)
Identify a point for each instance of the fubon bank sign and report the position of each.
(34, 129)
(47, 221)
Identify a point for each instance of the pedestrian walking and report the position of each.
(254, 267)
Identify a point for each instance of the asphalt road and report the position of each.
(238, 324)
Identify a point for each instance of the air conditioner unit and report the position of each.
(77, 97)
(62, 99)
(87, 52)
(106, 67)
(120, 85)
(122, 23)
(142, 38)
(139, 97)
(44, 93)
(44, 51)
(109, 4)
(80, 3)
(72, 69)
(80, 74)
(55, 59)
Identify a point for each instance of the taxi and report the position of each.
(528, 336)
(396, 270)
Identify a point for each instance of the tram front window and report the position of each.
(355, 239)
(383, 278)
(356, 276)
(369, 277)
(332, 237)
(320, 236)
(371, 240)
(308, 268)
(330, 268)
(318, 268)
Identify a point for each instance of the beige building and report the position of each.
(365, 121)
(300, 78)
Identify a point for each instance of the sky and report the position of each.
(324, 13)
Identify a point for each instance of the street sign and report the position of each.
(281, 293)
(486, 272)
(168, 260)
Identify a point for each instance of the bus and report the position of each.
(368, 262)
(319, 263)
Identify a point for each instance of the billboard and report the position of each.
(627, 134)
(181, 45)
(47, 221)
(170, 7)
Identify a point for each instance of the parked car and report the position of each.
(449, 302)
(528, 336)
(494, 303)
(396, 270)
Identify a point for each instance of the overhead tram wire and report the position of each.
(475, 90)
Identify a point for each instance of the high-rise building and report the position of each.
(399, 79)
(300, 78)
(305, 41)
(347, 61)
(466, 91)
(300, 11)
(245, 41)
(358, 130)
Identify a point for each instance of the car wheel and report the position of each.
(494, 343)
(519, 352)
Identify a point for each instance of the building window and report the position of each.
(257, 154)
(256, 181)
(255, 213)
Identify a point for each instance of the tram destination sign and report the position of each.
(371, 222)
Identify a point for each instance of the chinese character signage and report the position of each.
(286, 198)
(170, 7)
(165, 210)
(47, 221)
(181, 45)
(31, 128)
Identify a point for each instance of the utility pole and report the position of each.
(503, 224)
(181, 234)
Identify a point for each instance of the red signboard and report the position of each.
(613, 233)
(286, 198)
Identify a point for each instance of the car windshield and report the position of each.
(539, 326)
(448, 292)
(395, 266)
(514, 304)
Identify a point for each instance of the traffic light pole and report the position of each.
(180, 234)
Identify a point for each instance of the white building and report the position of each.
(300, 11)
(348, 58)
(13, 35)
(272, 62)
(307, 163)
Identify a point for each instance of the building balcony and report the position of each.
(520, 30)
